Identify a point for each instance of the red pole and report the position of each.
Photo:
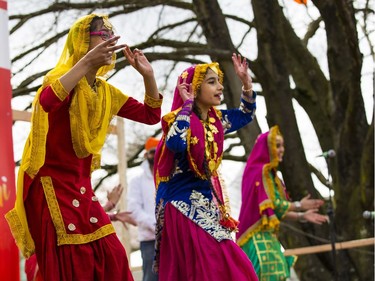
(9, 254)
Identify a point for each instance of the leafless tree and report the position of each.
(285, 69)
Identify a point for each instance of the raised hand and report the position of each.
(138, 60)
(185, 89)
(242, 71)
(114, 195)
(102, 54)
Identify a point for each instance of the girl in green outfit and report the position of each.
(264, 204)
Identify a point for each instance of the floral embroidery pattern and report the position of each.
(174, 130)
(226, 123)
(246, 110)
(205, 214)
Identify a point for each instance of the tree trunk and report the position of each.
(210, 17)
(272, 70)
(350, 131)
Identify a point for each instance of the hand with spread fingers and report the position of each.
(242, 70)
(313, 216)
(102, 54)
(113, 197)
(139, 61)
(307, 203)
(185, 89)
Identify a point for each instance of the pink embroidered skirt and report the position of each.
(189, 253)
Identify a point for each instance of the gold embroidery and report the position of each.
(151, 102)
(26, 246)
(184, 74)
(59, 90)
(194, 140)
(265, 223)
(64, 238)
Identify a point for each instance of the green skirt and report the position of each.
(264, 251)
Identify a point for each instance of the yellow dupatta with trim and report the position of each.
(90, 115)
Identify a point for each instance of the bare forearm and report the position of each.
(70, 79)
(151, 87)
(295, 216)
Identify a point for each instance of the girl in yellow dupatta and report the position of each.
(57, 214)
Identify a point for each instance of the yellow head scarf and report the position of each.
(90, 115)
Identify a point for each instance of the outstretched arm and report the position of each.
(311, 215)
(306, 204)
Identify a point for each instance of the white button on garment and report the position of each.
(83, 190)
(94, 198)
(93, 220)
(75, 203)
(71, 227)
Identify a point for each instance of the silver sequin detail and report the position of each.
(71, 227)
(83, 190)
(94, 198)
(75, 203)
(93, 220)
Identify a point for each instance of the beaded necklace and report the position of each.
(209, 165)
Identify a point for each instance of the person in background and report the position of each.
(264, 204)
(57, 214)
(194, 226)
(141, 205)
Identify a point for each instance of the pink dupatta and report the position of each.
(258, 188)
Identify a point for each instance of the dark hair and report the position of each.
(197, 111)
(95, 23)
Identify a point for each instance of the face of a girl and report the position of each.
(280, 148)
(211, 91)
(102, 32)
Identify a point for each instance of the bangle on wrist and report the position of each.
(247, 90)
(188, 102)
(301, 218)
(112, 217)
(298, 205)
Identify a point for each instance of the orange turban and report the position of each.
(151, 143)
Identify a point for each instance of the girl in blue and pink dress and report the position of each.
(194, 227)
